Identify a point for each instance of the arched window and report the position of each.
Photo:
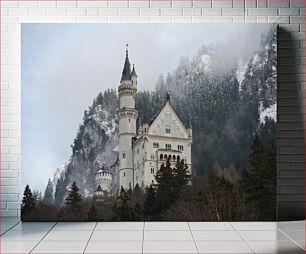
(169, 157)
(123, 155)
(178, 158)
(124, 174)
(165, 157)
(161, 157)
(174, 157)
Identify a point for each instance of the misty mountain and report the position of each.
(226, 101)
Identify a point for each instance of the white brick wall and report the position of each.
(288, 13)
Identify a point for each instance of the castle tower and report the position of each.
(103, 179)
(127, 116)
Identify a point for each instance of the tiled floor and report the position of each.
(153, 237)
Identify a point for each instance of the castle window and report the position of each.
(167, 130)
(178, 158)
(124, 174)
(152, 181)
(123, 155)
(137, 150)
(168, 146)
(174, 157)
(129, 120)
(165, 157)
(180, 147)
(161, 157)
(152, 157)
(155, 145)
(152, 170)
(143, 146)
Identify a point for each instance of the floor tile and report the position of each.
(120, 225)
(223, 247)
(276, 247)
(296, 235)
(22, 236)
(111, 247)
(168, 235)
(63, 226)
(106, 236)
(166, 226)
(211, 226)
(291, 225)
(216, 236)
(5, 226)
(33, 226)
(17, 247)
(70, 236)
(60, 247)
(252, 225)
(273, 235)
(169, 247)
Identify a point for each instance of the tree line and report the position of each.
(222, 195)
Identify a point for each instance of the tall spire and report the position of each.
(126, 73)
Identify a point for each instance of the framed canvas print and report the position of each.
(154, 122)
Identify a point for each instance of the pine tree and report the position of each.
(150, 205)
(258, 180)
(28, 202)
(48, 196)
(122, 209)
(181, 175)
(92, 213)
(73, 199)
(165, 194)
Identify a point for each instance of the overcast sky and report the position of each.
(65, 66)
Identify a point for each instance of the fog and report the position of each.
(64, 66)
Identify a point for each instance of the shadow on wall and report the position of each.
(290, 130)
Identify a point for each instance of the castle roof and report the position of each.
(158, 112)
(126, 72)
(103, 169)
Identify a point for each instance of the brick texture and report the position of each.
(289, 14)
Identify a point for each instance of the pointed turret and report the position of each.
(126, 73)
(133, 73)
(134, 77)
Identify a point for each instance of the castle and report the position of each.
(142, 152)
